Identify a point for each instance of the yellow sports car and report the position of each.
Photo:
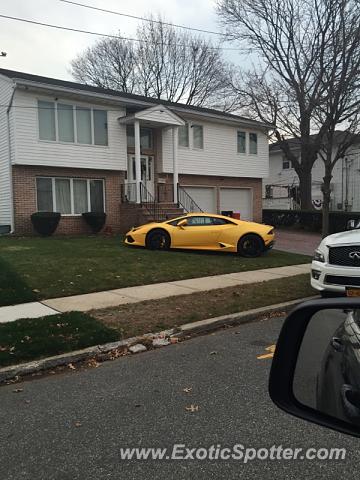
(204, 231)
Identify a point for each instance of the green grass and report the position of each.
(32, 339)
(157, 315)
(40, 268)
(29, 339)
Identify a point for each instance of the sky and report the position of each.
(46, 51)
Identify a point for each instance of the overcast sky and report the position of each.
(46, 51)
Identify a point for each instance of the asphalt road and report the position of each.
(139, 401)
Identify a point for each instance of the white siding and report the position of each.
(160, 115)
(5, 185)
(278, 176)
(219, 155)
(32, 151)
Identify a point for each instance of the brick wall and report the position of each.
(213, 181)
(24, 183)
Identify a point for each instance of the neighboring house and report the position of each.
(281, 188)
(72, 148)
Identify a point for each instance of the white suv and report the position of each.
(336, 263)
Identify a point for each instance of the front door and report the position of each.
(146, 169)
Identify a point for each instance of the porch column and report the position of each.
(137, 159)
(175, 163)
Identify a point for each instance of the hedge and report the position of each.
(309, 219)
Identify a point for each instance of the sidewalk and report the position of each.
(113, 298)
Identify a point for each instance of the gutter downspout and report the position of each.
(12, 218)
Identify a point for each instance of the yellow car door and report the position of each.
(198, 232)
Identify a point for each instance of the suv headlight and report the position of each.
(319, 257)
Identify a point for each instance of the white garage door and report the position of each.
(237, 200)
(204, 197)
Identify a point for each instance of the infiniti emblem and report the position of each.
(354, 255)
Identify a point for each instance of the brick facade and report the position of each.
(120, 217)
(24, 185)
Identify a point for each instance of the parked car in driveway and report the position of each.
(204, 231)
(336, 264)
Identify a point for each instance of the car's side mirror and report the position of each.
(315, 372)
(182, 223)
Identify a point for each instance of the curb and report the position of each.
(113, 350)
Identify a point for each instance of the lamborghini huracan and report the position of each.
(204, 231)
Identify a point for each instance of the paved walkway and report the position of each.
(297, 241)
(113, 298)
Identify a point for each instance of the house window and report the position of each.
(184, 135)
(44, 194)
(269, 191)
(65, 115)
(73, 124)
(69, 196)
(146, 137)
(253, 142)
(286, 164)
(100, 127)
(47, 130)
(63, 195)
(80, 196)
(241, 142)
(83, 125)
(198, 136)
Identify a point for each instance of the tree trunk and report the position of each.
(305, 189)
(326, 190)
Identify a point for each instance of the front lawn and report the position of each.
(40, 268)
(156, 315)
(29, 339)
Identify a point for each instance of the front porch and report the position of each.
(144, 148)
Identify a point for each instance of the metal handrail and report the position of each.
(187, 202)
(152, 206)
(128, 192)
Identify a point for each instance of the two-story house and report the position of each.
(73, 148)
(281, 187)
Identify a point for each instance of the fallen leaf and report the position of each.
(93, 363)
(77, 424)
(192, 408)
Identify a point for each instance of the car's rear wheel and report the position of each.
(158, 240)
(250, 245)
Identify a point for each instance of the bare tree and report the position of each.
(298, 43)
(111, 63)
(164, 63)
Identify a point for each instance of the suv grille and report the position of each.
(346, 281)
(345, 256)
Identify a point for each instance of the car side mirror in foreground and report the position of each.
(315, 372)
(182, 223)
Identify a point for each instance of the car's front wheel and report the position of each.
(250, 245)
(158, 240)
